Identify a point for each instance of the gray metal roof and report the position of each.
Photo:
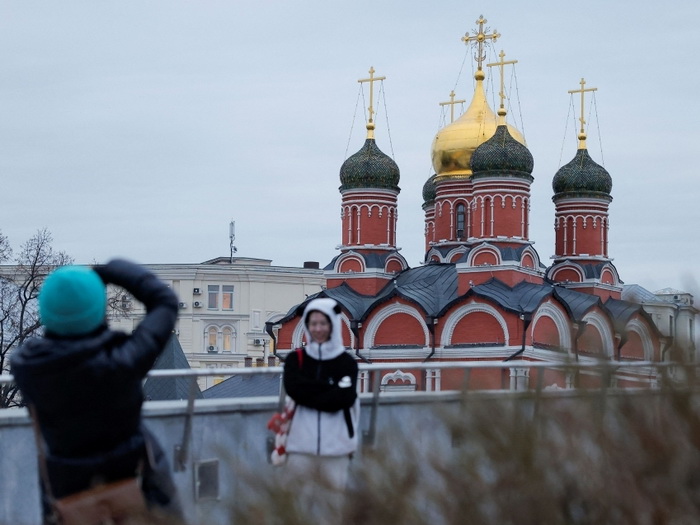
(245, 386)
(622, 311)
(433, 288)
(523, 298)
(170, 388)
(638, 294)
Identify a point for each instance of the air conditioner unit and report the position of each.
(258, 342)
(182, 305)
(212, 349)
(197, 304)
(196, 291)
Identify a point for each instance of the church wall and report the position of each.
(586, 379)
(589, 236)
(567, 274)
(478, 327)
(488, 380)
(443, 221)
(552, 378)
(399, 329)
(350, 265)
(546, 333)
(393, 266)
(633, 347)
(429, 229)
(510, 216)
(591, 342)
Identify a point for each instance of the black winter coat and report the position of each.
(87, 390)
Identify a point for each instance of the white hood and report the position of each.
(334, 346)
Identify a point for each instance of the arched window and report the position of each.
(212, 343)
(228, 339)
(460, 215)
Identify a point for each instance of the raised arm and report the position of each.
(153, 332)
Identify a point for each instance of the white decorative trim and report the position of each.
(569, 266)
(602, 324)
(297, 335)
(478, 250)
(641, 329)
(561, 321)
(399, 376)
(433, 380)
(457, 250)
(396, 258)
(349, 257)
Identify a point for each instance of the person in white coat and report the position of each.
(322, 381)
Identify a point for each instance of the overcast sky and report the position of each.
(141, 128)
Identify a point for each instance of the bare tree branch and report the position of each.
(19, 290)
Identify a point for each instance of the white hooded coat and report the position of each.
(326, 379)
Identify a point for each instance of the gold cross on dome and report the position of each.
(480, 38)
(452, 103)
(582, 91)
(372, 79)
(501, 65)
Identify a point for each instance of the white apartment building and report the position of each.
(224, 304)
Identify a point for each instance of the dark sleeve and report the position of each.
(153, 332)
(322, 395)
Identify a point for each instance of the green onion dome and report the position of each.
(502, 154)
(582, 176)
(429, 190)
(369, 168)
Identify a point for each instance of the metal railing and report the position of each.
(606, 369)
(413, 365)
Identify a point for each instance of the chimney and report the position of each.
(271, 360)
(259, 361)
(248, 361)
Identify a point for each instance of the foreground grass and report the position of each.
(580, 458)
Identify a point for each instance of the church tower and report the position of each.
(369, 179)
(581, 199)
(453, 226)
(479, 215)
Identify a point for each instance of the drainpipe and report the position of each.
(268, 329)
(431, 321)
(671, 340)
(623, 340)
(579, 332)
(526, 319)
(672, 336)
(355, 326)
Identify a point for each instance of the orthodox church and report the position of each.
(482, 292)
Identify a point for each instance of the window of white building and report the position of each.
(227, 297)
(213, 297)
(220, 297)
(227, 335)
(220, 339)
(212, 339)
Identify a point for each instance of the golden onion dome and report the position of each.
(454, 144)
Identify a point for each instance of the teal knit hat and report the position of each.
(72, 301)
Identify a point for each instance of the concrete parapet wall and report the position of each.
(228, 430)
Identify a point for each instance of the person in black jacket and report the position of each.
(84, 382)
(321, 378)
